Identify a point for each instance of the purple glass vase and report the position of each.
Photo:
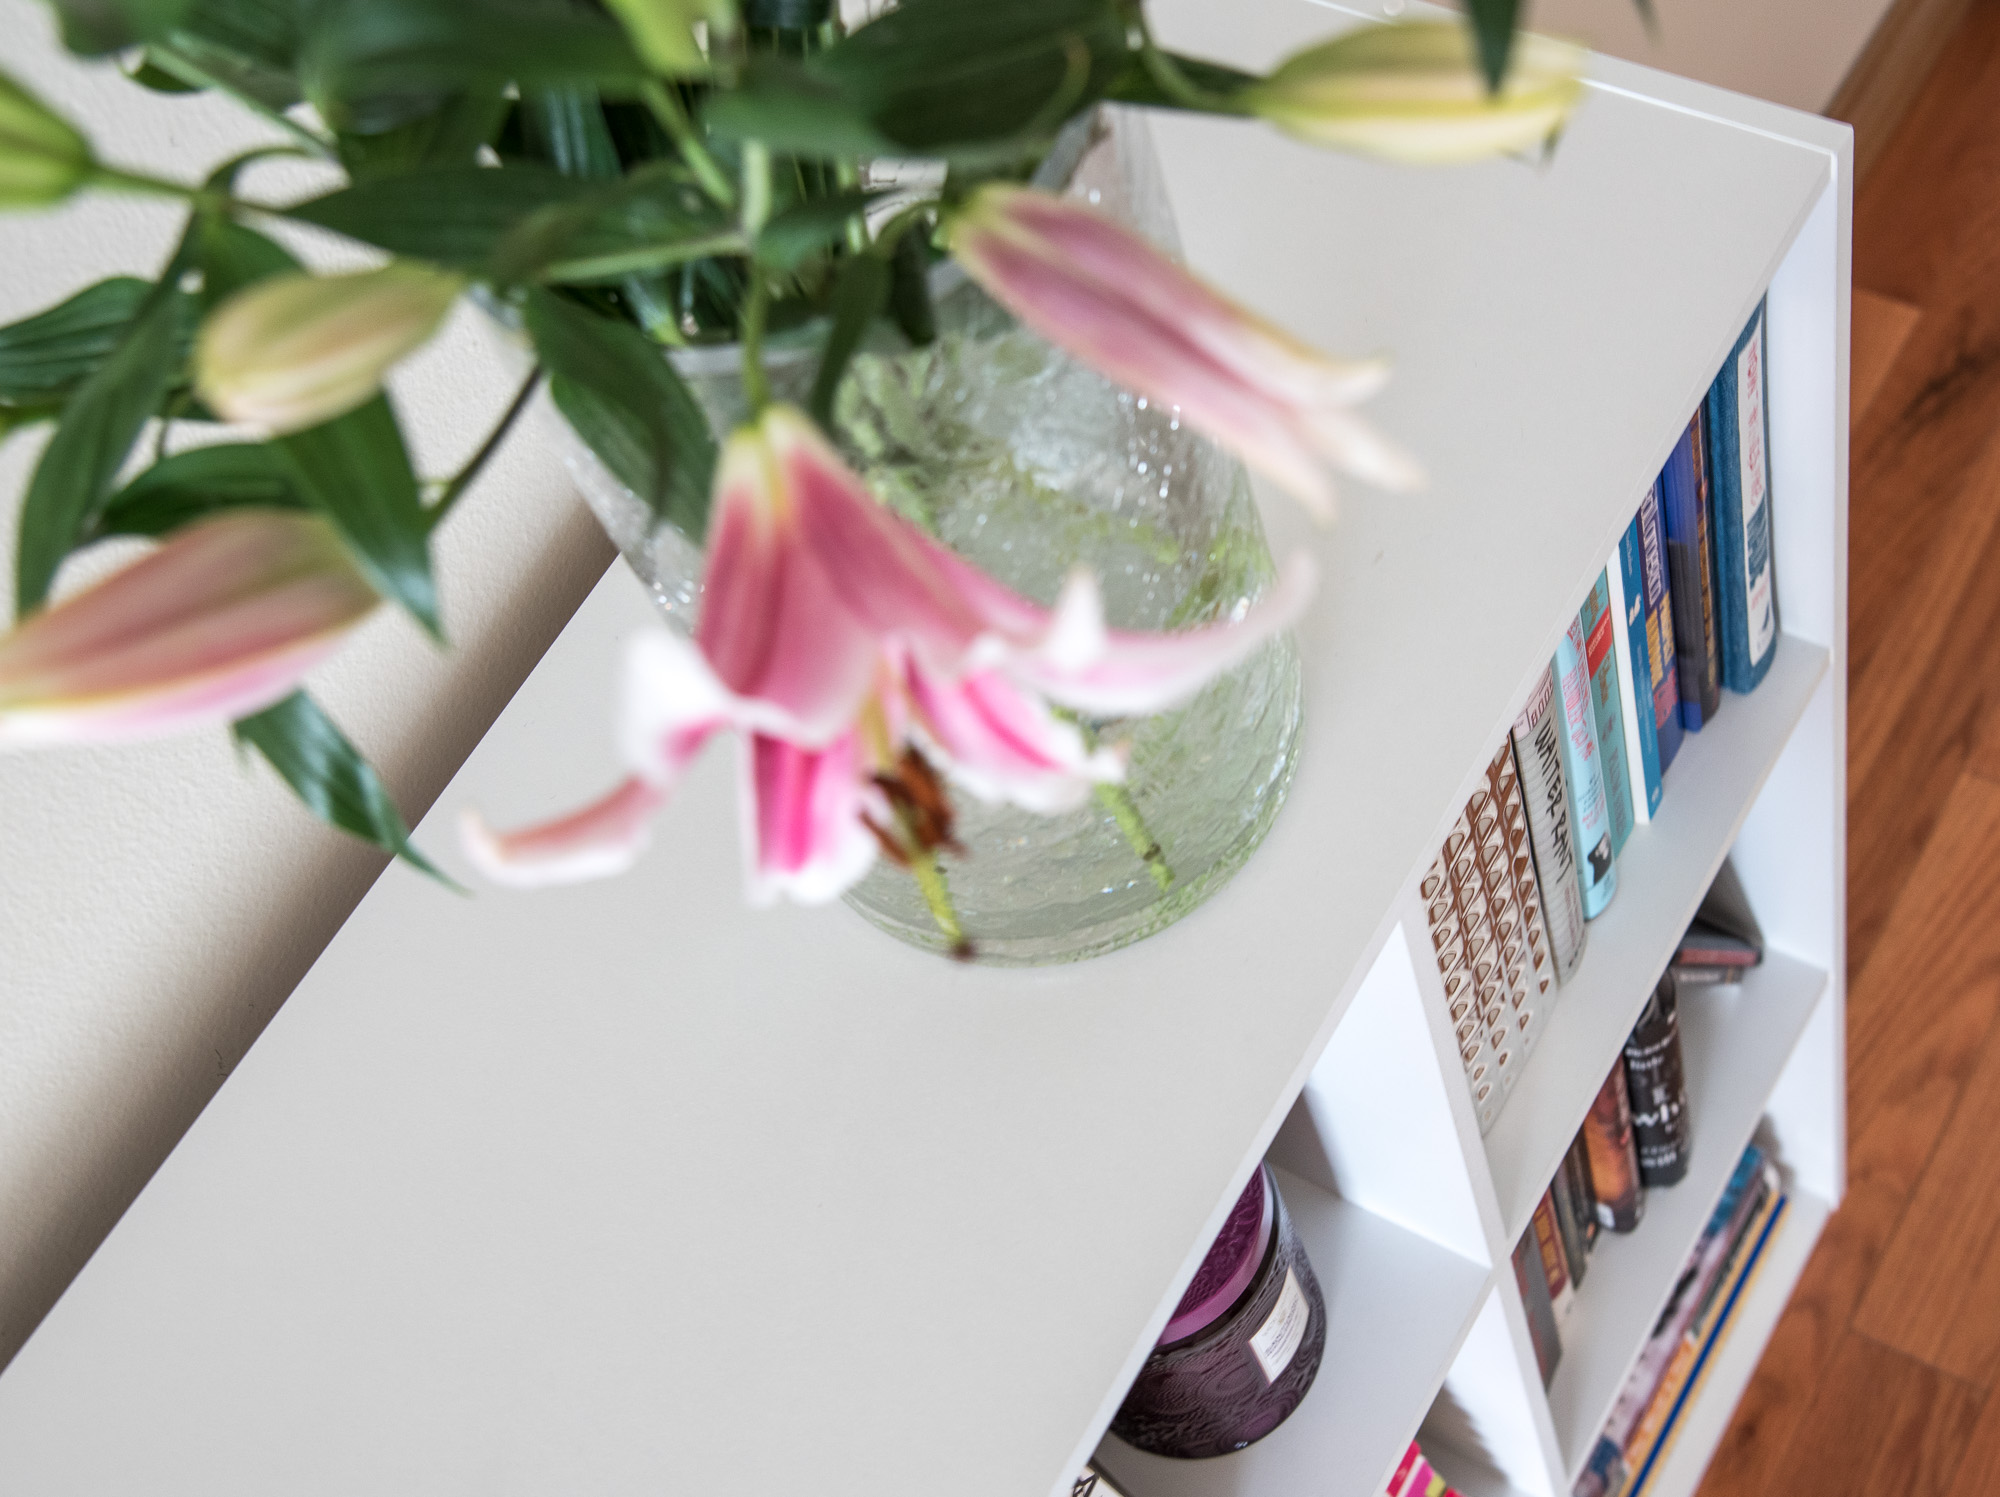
(1243, 1345)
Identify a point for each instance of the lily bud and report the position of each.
(221, 621)
(663, 30)
(1413, 92)
(297, 349)
(42, 158)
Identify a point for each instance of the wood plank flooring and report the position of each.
(1883, 1379)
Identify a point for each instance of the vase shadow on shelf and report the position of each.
(1029, 464)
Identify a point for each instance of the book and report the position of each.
(1723, 939)
(1534, 1287)
(1635, 687)
(1455, 906)
(1416, 1477)
(1739, 448)
(1690, 576)
(1747, 1187)
(1527, 969)
(1740, 1278)
(1570, 1222)
(1538, 757)
(1583, 1194)
(1555, 1261)
(1590, 820)
(1657, 1082)
(1598, 621)
(1662, 654)
(1614, 1162)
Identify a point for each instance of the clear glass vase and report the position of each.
(1028, 464)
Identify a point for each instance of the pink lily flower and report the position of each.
(222, 620)
(1106, 296)
(834, 637)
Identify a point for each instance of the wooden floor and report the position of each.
(1884, 1376)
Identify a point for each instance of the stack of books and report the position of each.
(1687, 609)
(1690, 1331)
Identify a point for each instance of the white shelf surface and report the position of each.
(1663, 873)
(1704, 1422)
(1397, 1308)
(1735, 1041)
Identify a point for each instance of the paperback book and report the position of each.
(1739, 438)
(1597, 871)
(1599, 623)
(1538, 755)
(1690, 573)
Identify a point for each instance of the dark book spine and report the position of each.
(1614, 1165)
(1690, 572)
(1583, 1196)
(1662, 662)
(1555, 1258)
(1576, 1252)
(1658, 1086)
(1534, 1286)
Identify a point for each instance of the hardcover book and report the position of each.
(1739, 429)
(1723, 940)
(1663, 656)
(1538, 757)
(1684, 505)
(1569, 1223)
(1597, 870)
(1635, 685)
(1534, 1287)
(1555, 1262)
(1599, 623)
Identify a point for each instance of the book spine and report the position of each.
(1538, 756)
(1635, 684)
(1614, 1165)
(1740, 477)
(1690, 573)
(1583, 1196)
(1607, 705)
(1576, 1252)
(1536, 979)
(1525, 981)
(1658, 1086)
(1447, 926)
(1663, 660)
(1555, 1263)
(1597, 871)
(1534, 1287)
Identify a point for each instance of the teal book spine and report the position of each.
(1590, 823)
(1635, 678)
(1663, 662)
(1607, 705)
(1739, 431)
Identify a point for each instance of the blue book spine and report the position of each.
(1690, 571)
(1739, 440)
(1590, 821)
(1607, 708)
(1663, 659)
(1635, 676)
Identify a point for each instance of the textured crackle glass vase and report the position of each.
(1028, 464)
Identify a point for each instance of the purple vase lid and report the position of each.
(1231, 1263)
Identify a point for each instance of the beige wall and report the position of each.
(1788, 51)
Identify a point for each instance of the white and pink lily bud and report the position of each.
(221, 621)
(297, 349)
(1104, 295)
(1413, 92)
(834, 636)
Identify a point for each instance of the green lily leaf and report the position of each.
(1492, 23)
(100, 422)
(450, 135)
(858, 294)
(651, 219)
(232, 257)
(941, 76)
(910, 290)
(1136, 84)
(796, 112)
(49, 354)
(328, 774)
(625, 400)
(371, 65)
(356, 471)
(94, 27)
(806, 228)
(200, 482)
(450, 215)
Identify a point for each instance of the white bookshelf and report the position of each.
(629, 1189)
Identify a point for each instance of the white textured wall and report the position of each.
(158, 902)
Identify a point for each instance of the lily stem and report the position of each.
(1175, 84)
(463, 479)
(1125, 811)
(666, 107)
(171, 62)
(929, 874)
